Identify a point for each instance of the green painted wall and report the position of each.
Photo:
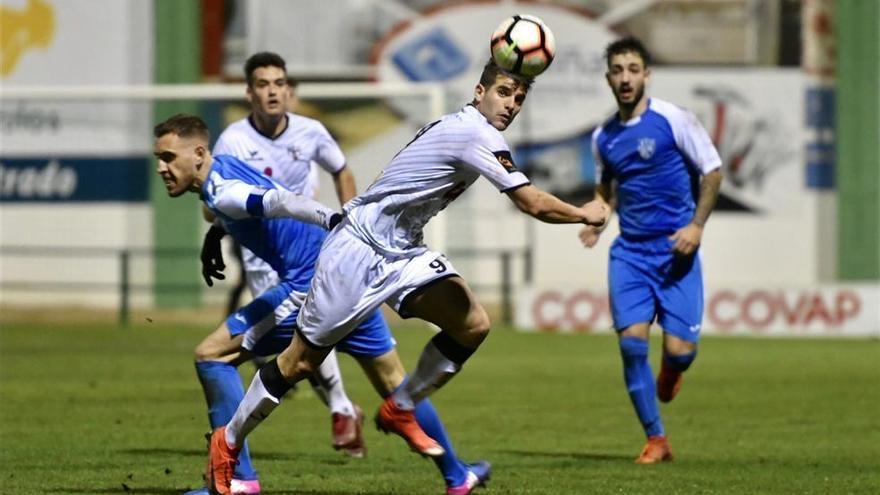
(857, 33)
(177, 223)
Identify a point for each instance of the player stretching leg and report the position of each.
(263, 216)
(655, 152)
(376, 255)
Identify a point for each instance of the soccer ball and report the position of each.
(523, 45)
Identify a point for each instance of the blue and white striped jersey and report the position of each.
(656, 159)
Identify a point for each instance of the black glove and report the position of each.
(212, 255)
(334, 220)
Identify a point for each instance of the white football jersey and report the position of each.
(288, 158)
(443, 160)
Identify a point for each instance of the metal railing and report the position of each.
(125, 287)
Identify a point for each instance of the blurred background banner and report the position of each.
(829, 311)
(100, 42)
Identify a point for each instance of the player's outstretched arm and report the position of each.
(550, 209)
(278, 203)
(687, 239)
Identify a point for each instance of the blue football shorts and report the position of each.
(646, 282)
(268, 324)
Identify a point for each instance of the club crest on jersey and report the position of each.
(506, 161)
(647, 147)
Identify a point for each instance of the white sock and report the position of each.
(327, 383)
(432, 372)
(256, 406)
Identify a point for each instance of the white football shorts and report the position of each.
(352, 280)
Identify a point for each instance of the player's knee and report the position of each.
(679, 362)
(300, 368)
(478, 326)
(205, 351)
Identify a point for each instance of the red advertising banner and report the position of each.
(839, 310)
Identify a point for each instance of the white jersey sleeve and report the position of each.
(489, 156)
(690, 136)
(328, 155)
(231, 197)
(597, 157)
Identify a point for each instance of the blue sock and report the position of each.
(223, 393)
(679, 363)
(453, 470)
(640, 383)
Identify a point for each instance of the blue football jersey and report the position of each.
(657, 159)
(234, 192)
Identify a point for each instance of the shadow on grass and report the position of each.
(260, 456)
(160, 452)
(123, 489)
(587, 456)
(178, 491)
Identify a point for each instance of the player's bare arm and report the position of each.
(590, 234)
(550, 209)
(687, 239)
(346, 188)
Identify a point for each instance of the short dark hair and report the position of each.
(491, 71)
(262, 59)
(184, 125)
(627, 45)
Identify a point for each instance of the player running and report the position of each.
(376, 255)
(656, 153)
(269, 220)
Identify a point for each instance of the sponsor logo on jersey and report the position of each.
(294, 153)
(506, 161)
(253, 156)
(647, 147)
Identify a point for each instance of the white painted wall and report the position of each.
(110, 226)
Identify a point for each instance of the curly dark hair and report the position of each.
(627, 45)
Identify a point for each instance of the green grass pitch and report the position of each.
(98, 409)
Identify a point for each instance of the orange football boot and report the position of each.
(657, 450)
(391, 419)
(221, 464)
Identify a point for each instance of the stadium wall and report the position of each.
(74, 174)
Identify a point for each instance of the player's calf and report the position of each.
(670, 377)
